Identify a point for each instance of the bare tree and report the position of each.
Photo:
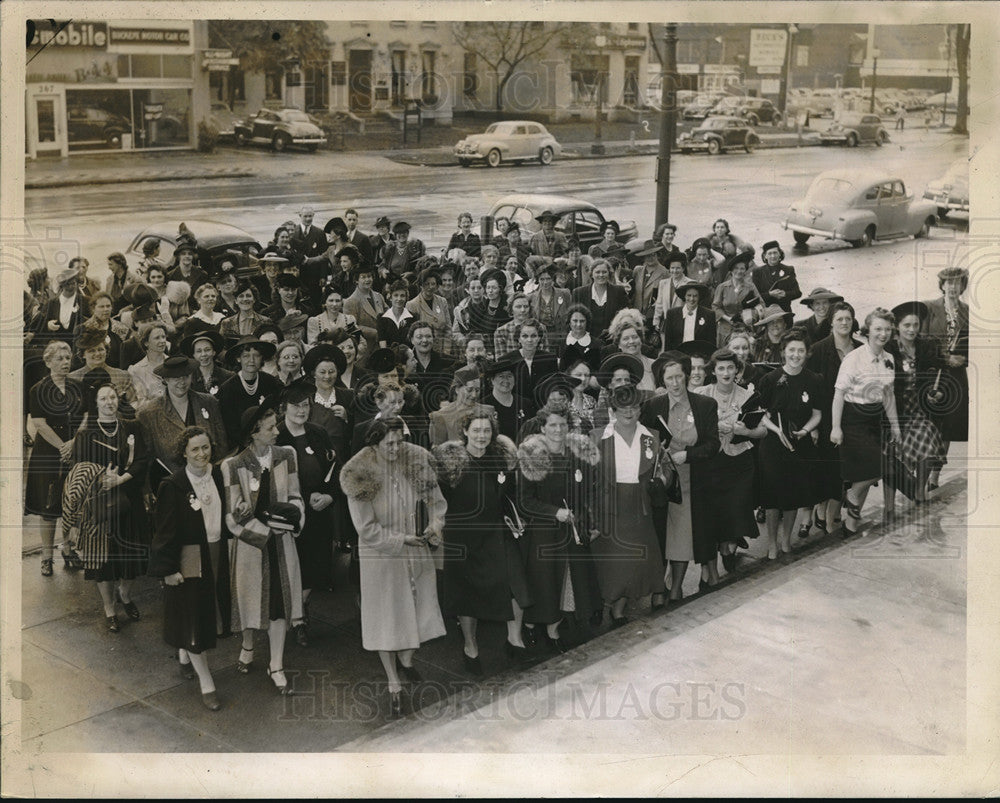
(504, 46)
(963, 34)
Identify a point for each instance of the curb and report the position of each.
(82, 181)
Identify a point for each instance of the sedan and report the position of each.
(280, 129)
(510, 141)
(853, 129)
(216, 241)
(91, 125)
(717, 134)
(859, 206)
(576, 217)
(951, 192)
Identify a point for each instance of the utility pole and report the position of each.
(668, 122)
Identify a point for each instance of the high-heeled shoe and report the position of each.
(410, 673)
(187, 671)
(113, 624)
(210, 701)
(279, 680)
(852, 507)
(395, 704)
(729, 562)
(130, 609)
(558, 643)
(515, 653)
(657, 602)
(71, 561)
(243, 665)
(803, 531)
(46, 567)
(529, 636)
(472, 665)
(818, 521)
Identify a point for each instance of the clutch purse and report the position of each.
(190, 561)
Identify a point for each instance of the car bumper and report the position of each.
(791, 225)
(308, 140)
(469, 156)
(832, 138)
(693, 145)
(945, 202)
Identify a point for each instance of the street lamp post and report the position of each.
(871, 103)
(598, 146)
(947, 78)
(783, 100)
(668, 122)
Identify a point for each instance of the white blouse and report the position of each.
(211, 503)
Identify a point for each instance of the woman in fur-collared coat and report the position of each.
(555, 495)
(398, 511)
(483, 563)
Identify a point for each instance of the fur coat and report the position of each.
(536, 462)
(452, 458)
(361, 478)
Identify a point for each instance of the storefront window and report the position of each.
(146, 66)
(161, 117)
(176, 66)
(98, 119)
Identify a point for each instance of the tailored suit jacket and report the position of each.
(704, 326)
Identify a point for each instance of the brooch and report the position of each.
(254, 484)
(194, 502)
(578, 476)
(781, 273)
(559, 300)
(501, 478)
(204, 413)
(888, 363)
(214, 389)
(701, 322)
(309, 450)
(130, 440)
(690, 418)
(805, 395)
(261, 400)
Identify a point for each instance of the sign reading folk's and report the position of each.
(767, 47)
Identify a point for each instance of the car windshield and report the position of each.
(498, 128)
(831, 189)
(296, 117)
(712, 122)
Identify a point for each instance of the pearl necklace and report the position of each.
(110, 434)
(250, 389)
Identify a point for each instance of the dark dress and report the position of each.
(234, 400)
(46, 471)
(483, 564)
(550, 548)
(216, 380)
(200, 608)
(316, 457)
(511, 419)
(824, 361)
(121, 508)
(786, 481)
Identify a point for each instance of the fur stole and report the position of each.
(361, 477)
(453, 459)
(536, 462)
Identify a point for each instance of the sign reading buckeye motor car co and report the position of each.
(149, 36)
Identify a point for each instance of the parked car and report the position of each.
(699, 108)
(508, 141)
(951, 191)
(717, 134)
(577, 217)
(280, 129)
(216, 241)
(223, 118)
(853, 129)
(753, 110)
(859, 206)
(92, 124)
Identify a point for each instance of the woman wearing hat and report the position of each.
(511, 409)
(695, 320)
(556, 500)
(917, 359)
(820, 300)
(550, 306)
(400, 257)
(315, 458)
(226, 282)
(92, 346)
(246, 319)
(398, 509)
(333, 404)
(824, 360)
(289, 298)
(190, 554)
(702, 262)
(144, 377)
(792, 396)
(548, 242)
(863, 396)
(608, 242)
(626, 333)
(100, 321)
(55, 405)
(733, 468)
(265, 283)
(617, 370)
(603, 299)
(626, 553)
(736, 297)
(776, 281)
(264, 511)
(203, 347)
(269, 332)
(64, 313)
(688, 426)
(250, 387)
(350, 343)
(771, 327)
(483, 563)
(583, 402)
(555, 392)
(666, 292)
(948, 322)
(103, 500)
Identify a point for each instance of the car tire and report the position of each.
(752, 119)
(852, 140)
(280, 143)
(493, 158)
(925, 228)
(943, 212)
(881, 138)
(241, 138)
(311, 148)
(867, 236)
(714, 147)
(463, 162)
(545, 156)
(800, 237)
(750, 144)
(113, 138)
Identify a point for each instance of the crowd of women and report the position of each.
(515, 431)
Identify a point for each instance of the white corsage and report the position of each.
(805, 396)
(701, 322)
(578, 476)
(262, 399)
(781, 273)
(690, 418)
(204, 413)
(309, 450)
(559, 300)
(501, 478)
(254, 484)
(194, 501)
(214, 389)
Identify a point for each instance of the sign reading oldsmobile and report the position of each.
(49, 33)
(149, 36)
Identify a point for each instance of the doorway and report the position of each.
(49, 131)
(359, 77)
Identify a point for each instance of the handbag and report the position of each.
(665, 484)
